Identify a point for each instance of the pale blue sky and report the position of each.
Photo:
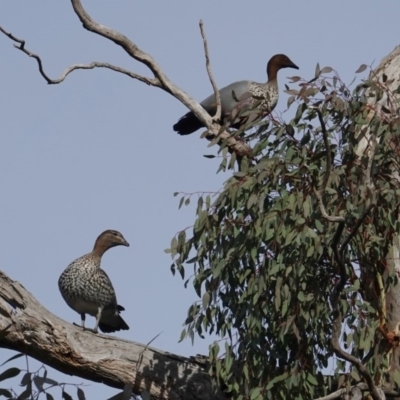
(98, 151)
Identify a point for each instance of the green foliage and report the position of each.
(273, 272)
(35, 385)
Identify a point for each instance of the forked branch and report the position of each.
(92, 65)
(160, 80)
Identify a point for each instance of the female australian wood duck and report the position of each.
(87, 289)
(240, 96)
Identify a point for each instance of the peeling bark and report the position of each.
(387, 76)
(27, 327)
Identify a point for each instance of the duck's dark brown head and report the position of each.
(277, 62)
(108, 239)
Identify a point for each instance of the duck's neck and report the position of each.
(272, 72)
(100, 247)
(272, 83)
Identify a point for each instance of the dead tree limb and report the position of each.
(217, 115)
(71, 68)
(160, 79)
(27, 327)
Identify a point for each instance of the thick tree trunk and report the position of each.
(387, 75)
(390, 67)
(27, 327)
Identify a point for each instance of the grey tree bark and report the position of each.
(387, 77)
(27, 327)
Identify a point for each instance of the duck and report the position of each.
(87, 289)
(241, 96)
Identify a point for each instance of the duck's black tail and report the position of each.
(187, 124)
(114, 323)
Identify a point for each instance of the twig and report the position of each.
(372, 146)
(140, 358)
(328, 150)
(92, 65)
(133, 50)
(160, 80)
(323, 210)
(319, 193)
(216, 136)
(152, 340)
(217, 115)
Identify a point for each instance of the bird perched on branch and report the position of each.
(87, 289)
(241, 96)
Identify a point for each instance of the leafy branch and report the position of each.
(335, 296)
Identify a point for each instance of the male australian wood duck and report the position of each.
(240, 96)
(87, 289)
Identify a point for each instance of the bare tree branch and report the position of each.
(217, 115)
(328, 150)
(26, 326)
(92, 65)
(320, 192)
(372, 146)
(160, 80)
(133, 50)
(318, 195)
